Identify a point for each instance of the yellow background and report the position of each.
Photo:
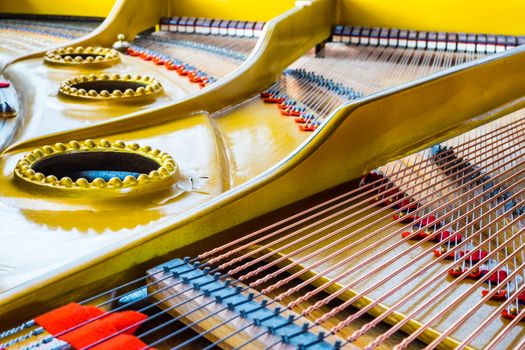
(480, 16)
(230, 9)
(91, 8)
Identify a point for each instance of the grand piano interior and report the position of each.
(314, 174)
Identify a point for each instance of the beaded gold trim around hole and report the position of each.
(83, 56)
(111, 87)
(66, 157)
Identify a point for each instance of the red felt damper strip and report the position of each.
(444, 235)
(509, 315)
(89, 334)
(477, 256)
(122, 341)
(369, 178)
(107, 326)
(476, 275)
(122, 320)
(499, 295)
(455, 273)
(428, 220)
(408, 205)
(94, 311)
(497, 276)
(405, 218)
(307, 127)
(66, 317)
(521, 298)
(419, 236)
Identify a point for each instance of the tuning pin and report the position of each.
(121, 44)
(6, 111)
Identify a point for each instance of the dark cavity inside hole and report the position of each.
(91, 165)
(83, 55)
(109, 85)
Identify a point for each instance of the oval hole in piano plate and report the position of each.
(82, 55)
(109, 85)
(78, 167)
(92, 165)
